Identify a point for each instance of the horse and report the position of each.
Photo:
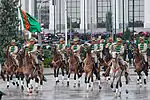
(118, 69)
(140, 66)
(29, 72)
(73, 62)
(106, 62)
(9, 68)
(57, 63)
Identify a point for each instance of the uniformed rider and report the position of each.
(76, 49)
(143, 49)
(61, 47)
(13, 49)
(100, 47)
(94, 51)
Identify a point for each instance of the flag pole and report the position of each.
(66, 22)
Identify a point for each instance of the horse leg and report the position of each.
(79, 78)
(7, 81)
(138, 79)
(11, 79)
(92, 81)
(36, 84)
(68, 79)
(99, 81)
(88, 82)
(62, 70)
(2, 75)
(57, 80)
(22, 84)
(127, 81)
(145, 76)
(17, 79)
(74, 80)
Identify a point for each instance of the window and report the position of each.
(44, 11)
(138, 13)
(73, 13)
(103, 7)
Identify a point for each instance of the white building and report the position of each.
(91, 14)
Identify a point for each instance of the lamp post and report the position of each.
(133, 15)
(115, 22)
(123, 15)
(84, 23)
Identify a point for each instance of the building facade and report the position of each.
(91, 15)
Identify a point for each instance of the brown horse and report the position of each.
(73, 67)
(57, 63)
(9, 68)
(140, 66)
(27, 67)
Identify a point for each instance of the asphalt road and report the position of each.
(51, 91)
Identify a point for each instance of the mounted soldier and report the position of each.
(76, 50)
(94, 51)
(13, 50)
(143, 49)
(100, 47)
(61, 47)
(32, 49)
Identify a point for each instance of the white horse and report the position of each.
(118, 69)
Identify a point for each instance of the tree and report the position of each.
(8, 22)
(109, 21)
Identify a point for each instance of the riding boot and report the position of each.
(147, 66)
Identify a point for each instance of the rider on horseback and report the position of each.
(13, 49)
(100, 46)
(61, 47)
(76, 49)
(93, 51)
(143, 49)
(32, 50)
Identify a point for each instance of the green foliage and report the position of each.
(127, 34)
(109, 21)
(8, 22)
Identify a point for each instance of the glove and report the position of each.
(11, 53)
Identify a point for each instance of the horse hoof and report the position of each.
(13, 83)
(127, 91)
(144, 81)
(57, 81)
(7, 86)
(78, 84)
(68, 84)
(89, 85)
(37, 91)
(22, 88)
(31, 87)
(74, 86)
(17, 85)
(100, 87)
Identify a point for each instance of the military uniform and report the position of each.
(33, 50)
(76, 49)
(100, 47)
(143, 48)
(94, 51)
(13, 49)
(61, 47)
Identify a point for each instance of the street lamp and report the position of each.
(123, 15)
(84, 23)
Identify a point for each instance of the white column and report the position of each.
(82, 14)
(146, 14)
(91, 14)
(51, 16)
(117, 13)
(31, 7)
(23, 5)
